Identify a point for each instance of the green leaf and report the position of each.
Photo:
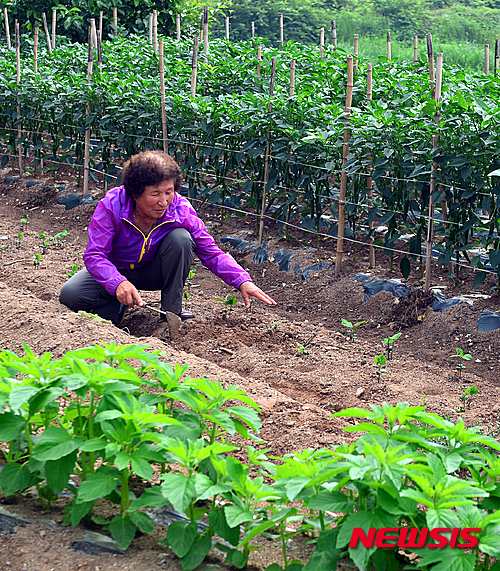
(179, 490)
(20, 395)
(405, 267)
(150, 498)
(96, 486)
(58, 472)
(235, 515)
(218, 523)
(479, 279)
(14, 477)
(326, 555)
(141, 467)
(490, 544)
(332, 501)
(197, 553)
(93, 445)
(122, 530)
(143, 522)
(11, 426)
(54, 443)
(442, 517)
(79, 511)
(181, 537)
(247, 415)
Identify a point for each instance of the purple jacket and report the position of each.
(115, 243)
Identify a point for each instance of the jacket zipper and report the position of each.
(143, 248)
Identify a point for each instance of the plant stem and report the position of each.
(124, 498)
(91, 431)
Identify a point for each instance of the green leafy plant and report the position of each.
(461, 356)
(466, 398)
(36, 260)
(74, 267)
(229, 304)
(389, 343)
(302, 348)
(20, 237)
(351, 328)
(380, 361)
(189, 283)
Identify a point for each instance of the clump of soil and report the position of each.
(410, 309)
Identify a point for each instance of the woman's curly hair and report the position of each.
(148, 168)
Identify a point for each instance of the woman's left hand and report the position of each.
(249, 289)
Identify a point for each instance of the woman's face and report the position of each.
(155, 200)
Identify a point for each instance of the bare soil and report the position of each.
(259, 350)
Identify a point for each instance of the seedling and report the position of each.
(466, 398)
(389, 342)
(58, 238)
(461, 357)
(229, 304)
(20, 237)
(24, 222)
(302, 349)
(274, 326)
(351, 328)
(74, 268)
(189, 283)
(36, 260)
(380, 361)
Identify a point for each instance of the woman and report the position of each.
(143, 236)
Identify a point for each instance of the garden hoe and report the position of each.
(174, 321)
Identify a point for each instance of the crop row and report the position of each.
(90, 421)
(220, 136)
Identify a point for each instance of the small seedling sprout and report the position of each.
(351, 328)
(229, 304)
(20, 237)
(74, 267)
(466, 397)
(36, 260)
(380, 361)
(461, 357)
(389, 342)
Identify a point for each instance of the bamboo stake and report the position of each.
(54, 25)
(178, 25)
(155, 31)
(281, 31)
(322, 43)
(356, 52)
(343, 181)
(86, 152)
(435, 140)
(115, 20)
(18, 81)
(7, 29)
(292, 78)
(46, 30)
(259, 58)
(151, 28)
(369, 182)
(252, 30)
(430, 56)
(94, 31)
(35, 51)
(497, 56)
(100, 23)
(486, 59)
(205, 31)
(162, 94)
(99, 49)
(334, 35)
(389, 50)
(201, 27)
(227, 27)
(415, 50)
(194, 67)
(268, 153)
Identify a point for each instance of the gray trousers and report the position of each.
(167, 271)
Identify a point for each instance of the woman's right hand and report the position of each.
(127, 293)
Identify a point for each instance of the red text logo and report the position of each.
(412, 537)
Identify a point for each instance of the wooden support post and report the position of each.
(389, 50)
(486, 59)
(155, 31)
(259, 59)
(497, 56)
(18, 82)
(282, 35)
(54, 26)
(46, 30)
(35, 50)
(267, 156)
(322, 43)
(292, 77)
(94, 31)
(356, 53)
(369, 182)
(178, 25)
(252, 30)
(205, 31)
(227, 27)
(151, 28)
(343, 180)
(430, 56)
(115, 20)
(99, 48)
(86, 149)
(162, 95)
(435, 141)
(334, 35)
(415, 50)
(100, 23)
(194, 67)
(7, 28)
